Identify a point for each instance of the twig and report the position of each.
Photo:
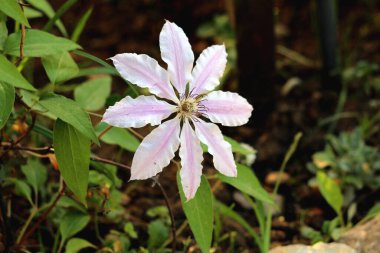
(174, 234)
(104, 132)
(104, 160)
(136, 133)
(23, 136)
(43, 217)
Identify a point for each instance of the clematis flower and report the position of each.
(187, 93)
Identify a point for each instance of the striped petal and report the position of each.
(144, 71)
(138, 112)
(156, 150)
(221, 151)
(176, 52)
(191, 160)
(227, 108)
(208, 69)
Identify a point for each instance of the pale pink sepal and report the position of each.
(227, 108)
(221, 151)
(191, 155)
(138, 112)
(176, 52)
(208, 69)
(156, 150)
(144, 71)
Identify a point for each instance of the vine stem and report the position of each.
(43, 217)
(174, 234)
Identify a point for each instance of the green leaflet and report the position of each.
(72, 150)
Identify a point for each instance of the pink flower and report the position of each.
(186, 92)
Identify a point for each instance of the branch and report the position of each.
(174, 234)
(43, 217)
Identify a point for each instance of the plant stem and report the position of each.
(43, 217)
(170, 213)
(27, 223)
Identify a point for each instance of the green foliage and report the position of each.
(60, 67)
(38, 44)
(10, 75)
(45, 7)
(80, 25)
(35, 174)
(199, 213)
(12, 9)
(70, 112)
(72, 150)
(350, 160)
(118, 136)
(7, 99)
(158, 233)
(72, 223)
(247, 182)
(74, 245)
(92, 95)
(330, 191)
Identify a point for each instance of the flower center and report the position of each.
(190, 107)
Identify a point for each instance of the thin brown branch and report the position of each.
(174, 234)
(104, 132)
(104, 160)
(22, 136)
(43, 216)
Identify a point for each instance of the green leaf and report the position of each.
(158, 233)
(199, 213)
(80, 25)
(60, 67)
(38, 44)
(72, 223)
(92, 95)
(72, 150)
(3, 30)
(330, 191)
(118, 136)
(45, 7)
(12, 9)
(31, 13)
(35, 174)
(74, 245)
(23, 189)
(70, 112)
(7, 99)
(238, 148)
(247, 182)
(373, 212)
(229, 212)
(10, 75)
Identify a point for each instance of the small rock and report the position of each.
(316, 248)
(364, 238)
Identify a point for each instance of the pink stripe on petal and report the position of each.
(145, 72)
(176, 52)
(227, 108)
(208, 69)
(138, 112)
(191, 160)
(221, 151)
(156, 150)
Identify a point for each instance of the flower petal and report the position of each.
(138, 112)
(211, 135)
(227, 108)
(191, 160)
(156, 150)
(176, 52)
(208, 69)
(144, 71)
